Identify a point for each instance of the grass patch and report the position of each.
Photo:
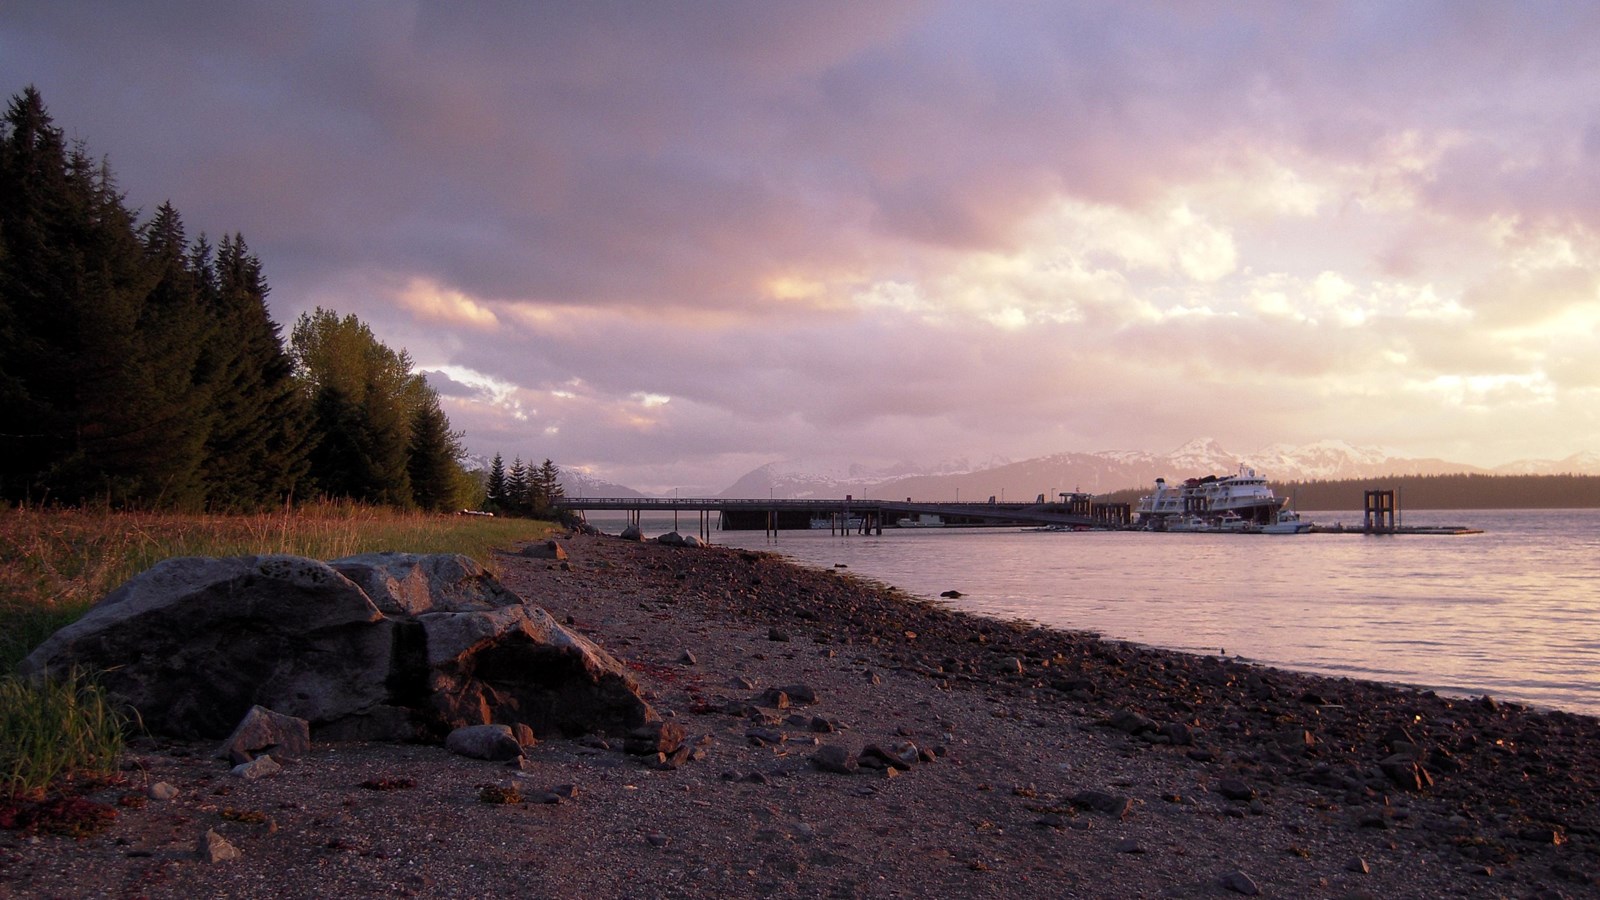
(52, 728)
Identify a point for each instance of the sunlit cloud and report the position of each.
(435, 303)
(694, 240)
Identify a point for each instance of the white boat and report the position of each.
(1288, 522)
(1244, 494)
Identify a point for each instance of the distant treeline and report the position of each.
(139, 368)
(1459, 491)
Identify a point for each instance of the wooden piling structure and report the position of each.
(1378, 512)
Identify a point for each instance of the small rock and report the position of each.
(831, 758)
(260, 767)
(1101, 801)
(1234, 789)
(655, 737)
(214, 848)
(1240, 883)
(1130, 722)
(803, 694)
(657, 839)
(687, 659)
(1129, 845)
(778, 634)
(762, 737)
(491, 742)
(547, 550)
(263, 731)
(1009, 665)
(1358, 865)
(524, 735)
(1177, 733)
(952, 595)
(775, 698)
(161, 791)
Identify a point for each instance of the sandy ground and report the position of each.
(1047, 764)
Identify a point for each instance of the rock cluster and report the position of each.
(385, 646)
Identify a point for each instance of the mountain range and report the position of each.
(1110, 470)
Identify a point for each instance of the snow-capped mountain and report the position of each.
(1585, 463)
(577, 483)
(1098, 472)
(800, 480)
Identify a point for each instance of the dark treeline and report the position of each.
(140, 368)
(522, 490)
(1457, 491)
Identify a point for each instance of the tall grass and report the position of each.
(53, 728)
(54, 564)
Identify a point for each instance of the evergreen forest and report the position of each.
(140, 368)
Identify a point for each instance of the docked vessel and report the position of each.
(1211, 499)
(1288, 522)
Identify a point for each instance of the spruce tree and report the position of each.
(517, 485)
(435, 451)
(495, 486)
(86, 390)
(174, 330)
(260, 441)
(545, 489)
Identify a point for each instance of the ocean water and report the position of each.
(1513, 612)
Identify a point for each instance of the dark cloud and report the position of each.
(622, 186)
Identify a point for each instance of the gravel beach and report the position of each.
(850, 741)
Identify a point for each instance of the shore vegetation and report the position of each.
(56, 563)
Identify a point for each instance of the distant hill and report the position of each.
(581, 484)
(1325, 475)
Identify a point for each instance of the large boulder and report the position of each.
(385, 646)
(194, 642)
(410, 584)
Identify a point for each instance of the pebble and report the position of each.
(260, 767)
(162, 791)
(1240, 883)
(214, 848)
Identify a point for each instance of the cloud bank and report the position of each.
(668, 244)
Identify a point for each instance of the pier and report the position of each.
(855, 515)
(859, 515)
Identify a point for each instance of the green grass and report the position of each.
(55, 564)
(55, 728)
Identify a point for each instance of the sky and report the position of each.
(666, 243)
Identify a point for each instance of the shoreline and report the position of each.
(1513, 633)
(1051, 763)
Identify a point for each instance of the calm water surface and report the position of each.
(1513, 612)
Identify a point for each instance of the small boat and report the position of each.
(920, 520)
(1288, 522)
